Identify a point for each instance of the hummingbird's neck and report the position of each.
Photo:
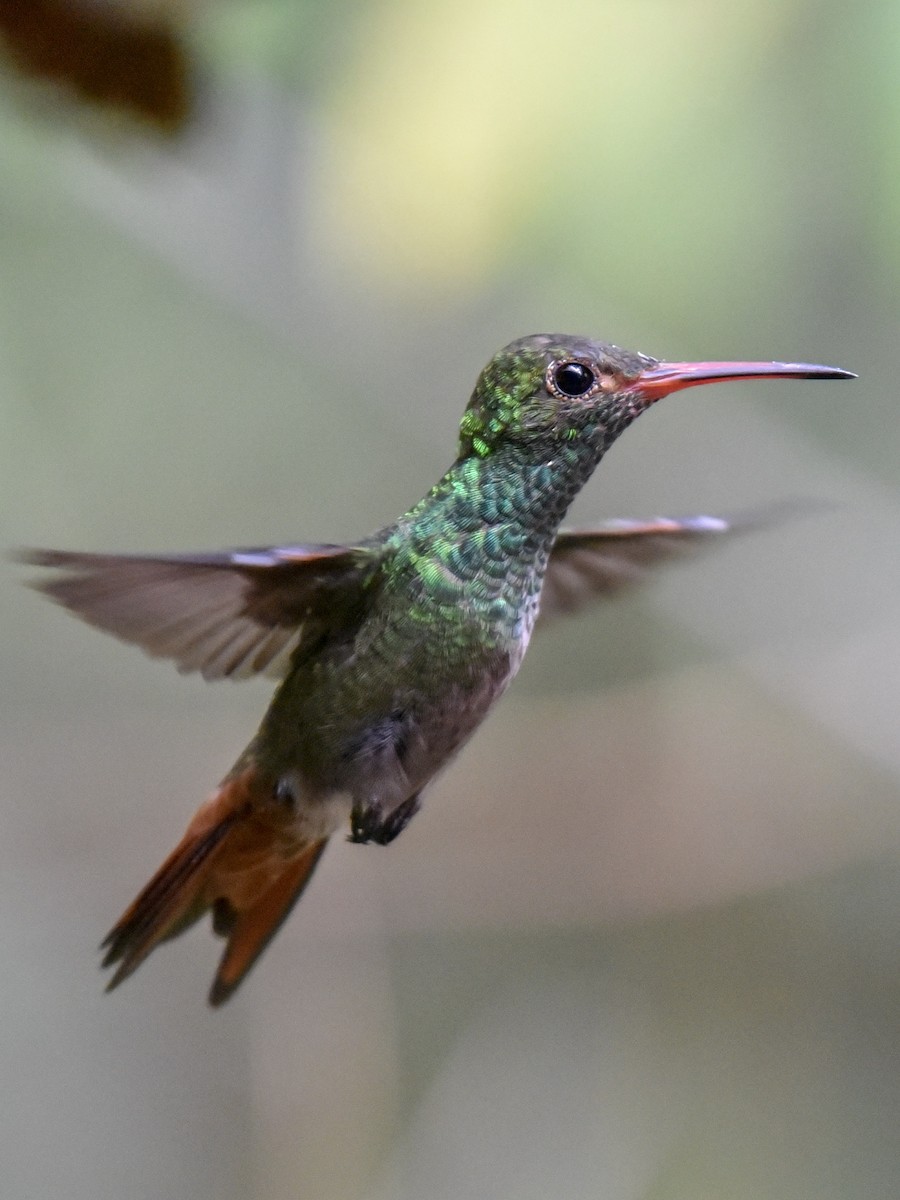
(490, 518)
(521, 486)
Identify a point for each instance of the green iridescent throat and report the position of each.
(482, 535)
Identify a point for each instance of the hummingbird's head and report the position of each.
(548, 389)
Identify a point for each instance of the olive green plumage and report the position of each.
(390, 651)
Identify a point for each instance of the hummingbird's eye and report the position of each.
(571, 379)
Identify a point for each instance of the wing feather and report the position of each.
(230, 615)
(595, 564)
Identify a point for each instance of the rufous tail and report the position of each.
(232, 860)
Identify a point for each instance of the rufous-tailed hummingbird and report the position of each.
(390, 651)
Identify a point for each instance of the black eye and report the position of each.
(573, 379)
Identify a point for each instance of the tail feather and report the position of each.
(232, 860)
(164, 907)
(249, 932)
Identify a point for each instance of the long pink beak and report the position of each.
(667, 377)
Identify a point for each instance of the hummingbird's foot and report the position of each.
(369, 824)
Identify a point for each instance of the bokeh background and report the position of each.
(642, 942)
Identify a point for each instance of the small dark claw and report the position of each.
(363, 820)
(395, 822)
(371, 825)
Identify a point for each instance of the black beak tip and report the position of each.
(831, 373)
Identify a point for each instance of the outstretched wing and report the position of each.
(593, 564)
(228, 615)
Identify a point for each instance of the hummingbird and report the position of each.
(390, 651)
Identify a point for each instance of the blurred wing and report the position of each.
(228, 615)
(594, 564)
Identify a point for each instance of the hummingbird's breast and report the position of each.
(383, 709)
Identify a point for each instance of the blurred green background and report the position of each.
(642, 942)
